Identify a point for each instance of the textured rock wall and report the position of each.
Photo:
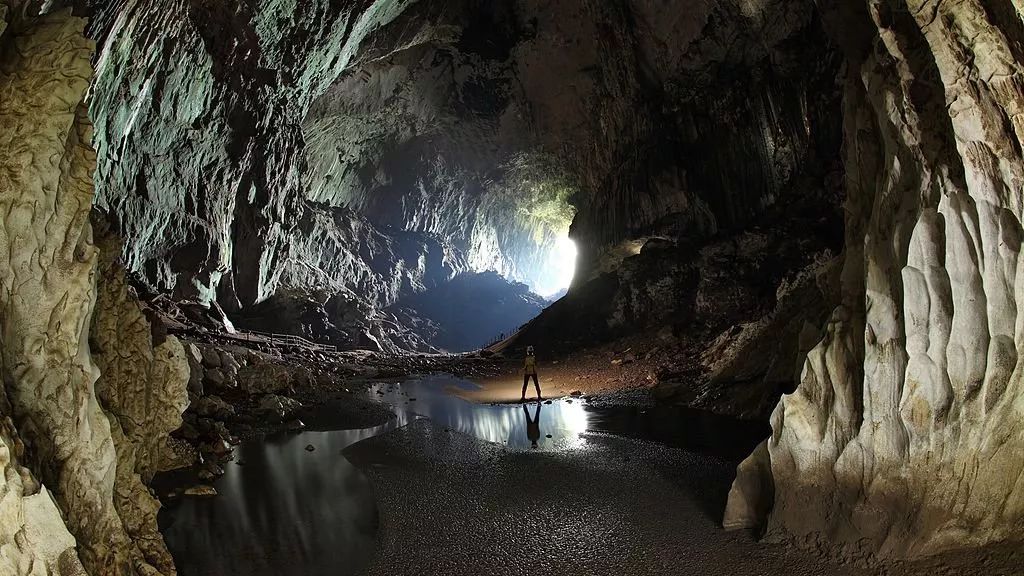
(258, 152)
(143, 386)
(33, 538)
(200, 113)
(905, 433)
(680, 120)
(48, 275)
(429, 130)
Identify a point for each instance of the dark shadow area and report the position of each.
(680, 427)
(280, 509)
(727, 440)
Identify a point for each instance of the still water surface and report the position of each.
(284, 510)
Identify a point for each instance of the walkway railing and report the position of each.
(285, 339)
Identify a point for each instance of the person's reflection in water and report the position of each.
(532, 426)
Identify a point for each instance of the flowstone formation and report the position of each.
(906, 432)
(86, 439)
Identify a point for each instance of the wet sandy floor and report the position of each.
(450, 504)
(451, 487)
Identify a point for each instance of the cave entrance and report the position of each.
(560, 268)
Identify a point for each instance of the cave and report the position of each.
(511, 286)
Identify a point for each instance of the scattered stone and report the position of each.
(264, 378)
(215, 377)
(210, 471)
(214, 407)
(195, 368)
(228, 362)
(276, 408)
(218, 448)
(202, 490)
(575, 393)
(211, 357)
(188, 431)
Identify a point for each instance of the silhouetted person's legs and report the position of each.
(535, 385)
(526, 380)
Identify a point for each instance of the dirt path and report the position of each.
(584, 374)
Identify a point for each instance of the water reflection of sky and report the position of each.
(506, 424)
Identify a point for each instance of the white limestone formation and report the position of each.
(89, 456)
(33, 538)
(906, 433)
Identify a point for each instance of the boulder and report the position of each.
(218, 381)
(214, 407)
(276, 408)
(264, 378)
(201, 490)
(196, 370)
(211, 357)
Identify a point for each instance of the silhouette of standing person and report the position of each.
(530, 369)
(533, 426)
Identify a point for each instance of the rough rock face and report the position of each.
(906, 431)
(143, 385)
(270, 153)
(205, 166)
(47, 296)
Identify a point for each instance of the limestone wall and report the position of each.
(906, 433)
(86, 441)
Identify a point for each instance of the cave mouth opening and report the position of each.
(556, 278)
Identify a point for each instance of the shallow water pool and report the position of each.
(283, 509)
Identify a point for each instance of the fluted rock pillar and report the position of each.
(905, 434)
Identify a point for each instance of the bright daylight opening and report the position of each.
(562, 266)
